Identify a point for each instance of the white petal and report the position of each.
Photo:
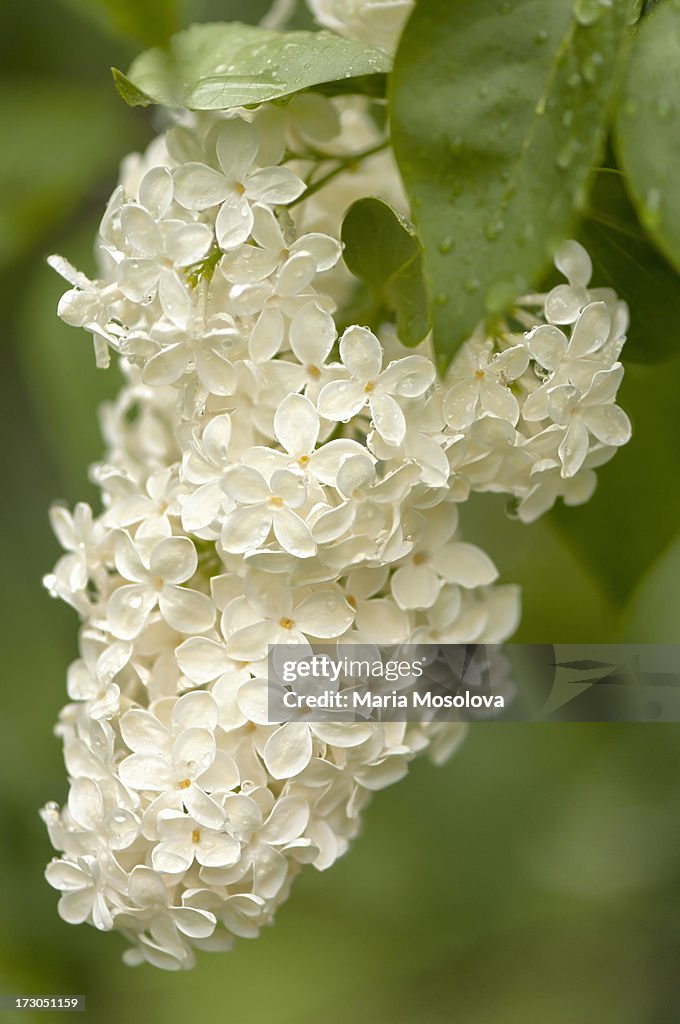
(65, 876)
(222, 775)
(217, 851)
(245, 485)
(197, 924)
(563, 304)
(216, 374)
(274, 185)
(155, 191)
(459, 406)
(85, 803)
(202, 660)
(288, 751)
(198, 186)
(251, 642)
(196, 710)
(380, 621)
(327, 460)
(174, 298)
(415, 586)
(128, 562)
(341, 399)
(408, 377)
(143, 733)
(188, 244)
(591, 330)
(174, 560)
(172, 856)
(193, 752)
(312, 333)
(293, 534)
(203, 808)
(266, 336)
(324, 250)
(167, 366)
(296, 425)
(145, 771)
(465, 564)
(547, 345)
(138, 279)
(356, 474)
(270, 869)
(323, 614)
(574, 447)
(245, 529)
(608, 423)
(295, 274)
(288, 819)
(234, 221)
(187, 611)
(388, 418)
(140, 230)
(236, 148)
(128, 610)
(574, 262)
(292, 487)
(499, 401)
(361, 352)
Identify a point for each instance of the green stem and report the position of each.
(343, 165)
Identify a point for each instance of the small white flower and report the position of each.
(156, 582)
(263, 506)
(591, 413)
(183, 839)
(362, 354)
(235, 186)
(484, 385)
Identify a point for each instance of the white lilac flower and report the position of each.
(263, 483)
(369, 385)
(235, 186)
(372, 21)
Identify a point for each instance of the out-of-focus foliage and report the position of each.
(534, 878)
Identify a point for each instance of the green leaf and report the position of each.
(498, 114)
(382, 250)
(52, 163)
(648, 127)
(217, 66)
(145, 21)
(624, 259)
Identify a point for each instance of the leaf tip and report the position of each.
(128, 91)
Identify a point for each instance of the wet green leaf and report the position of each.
(217, 66)
(648, 127)
(381, 249)
(625, 259)
(498, 115)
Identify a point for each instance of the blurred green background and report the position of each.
(534, 878)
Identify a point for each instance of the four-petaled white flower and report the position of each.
(362, 356)
(155, 581)
(235, 186)
(265, 506)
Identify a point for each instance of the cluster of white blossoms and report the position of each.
(269, 479)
